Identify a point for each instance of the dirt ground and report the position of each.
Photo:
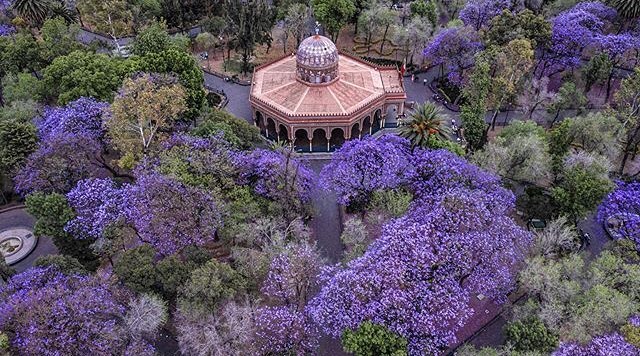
(264, 54)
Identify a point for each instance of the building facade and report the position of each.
(317, 98)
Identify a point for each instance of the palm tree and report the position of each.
(33, 11)
(426, 122)
(627, 8)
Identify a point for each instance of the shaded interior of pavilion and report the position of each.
(318, 139)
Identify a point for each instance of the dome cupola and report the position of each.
(317, 60)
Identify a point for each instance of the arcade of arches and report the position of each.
(318, 98)
(326, 138)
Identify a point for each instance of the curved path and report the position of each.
(19, 218)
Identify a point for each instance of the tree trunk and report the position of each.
(606, 99)
(384, 38)
(494, 118)
(627, 149)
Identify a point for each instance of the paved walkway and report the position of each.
(20, 218)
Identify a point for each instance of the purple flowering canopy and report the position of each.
(59, 163)
(6, 30)
(363, 166)
(98, 203)
(479, 13)
(588, 24)
(418, 277)
(46, 312)
(169, 215)
(606, 345)
(455, 48)
(285, 325)
(83, 116)
(277, 175)
(620, 211)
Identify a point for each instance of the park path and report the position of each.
(19, 217)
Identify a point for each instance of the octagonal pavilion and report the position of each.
(317, 98)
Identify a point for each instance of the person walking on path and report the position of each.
(424, 82)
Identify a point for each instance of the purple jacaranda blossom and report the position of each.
(170, 215)
(418, 277)
(455, 48)
(621, 209)
(478, 13)
(98, 203)
(6, 30)
(59, 163)
(49, 313)
(277, 175)
(83, 116)
(606, 345)
(363, 166)
(285, 330)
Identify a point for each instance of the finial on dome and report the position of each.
(317, 28)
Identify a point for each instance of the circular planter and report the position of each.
(16, 244)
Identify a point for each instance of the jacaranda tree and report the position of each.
(361, 167)
(46, 312)
(418, 278)
(621, 209)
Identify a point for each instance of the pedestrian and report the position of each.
(453, 122)
(413, 78)
(424, 82)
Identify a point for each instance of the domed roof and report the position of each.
(317, 52)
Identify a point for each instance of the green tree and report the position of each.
(425, 120)
(627, 108)
(84, 74)
(153, 39)
(296, 21)
(577, 299)
(208, 286)
(333, 14)
(530, 335)
(583, 184)
(511, 65)
(235, 130)
(143, 113)
(596, 70)
(354, 238)
(519, 153)
(509, 26)
(65, 264)
(171, 273)
(21, 87)
(59, 38)
(473, 110)
(426, 9)
(112, 17)
(17, 141)
(252, 21)
(568, 97)
(136, 269)
(177, 62)
(52, 212)
(631, 334)
(371, 339)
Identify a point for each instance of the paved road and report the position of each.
(238, 96)
(17, 218)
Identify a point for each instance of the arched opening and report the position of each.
(337, 139)
(260, 121)
(283, 135)
(319, 141)
(366, 126)
(270, 131)
(377, 121)
(301, 142)
(355, 131)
